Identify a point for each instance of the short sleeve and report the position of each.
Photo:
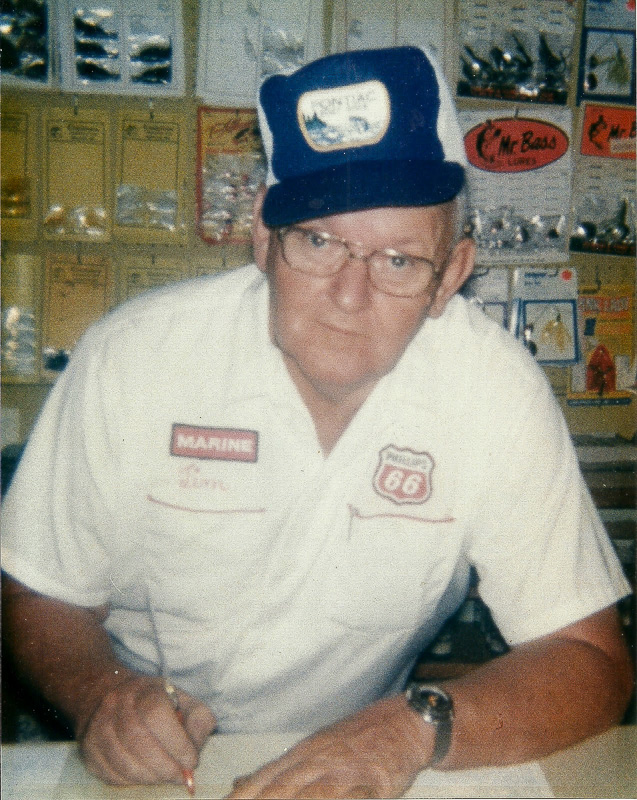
(60, 512)
(541, 551)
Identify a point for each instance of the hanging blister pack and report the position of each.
(258, 38)
(230, 168)
(19, 322)
(519, 182)
(369, 24)
(488, 289)
(544, 314)
(606, 374)
(607, 52)
(122, 47)
(26, 43)
(515, 50)
(604, 219)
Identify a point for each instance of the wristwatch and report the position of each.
(436, 708)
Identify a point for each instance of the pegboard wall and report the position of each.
(130, 156)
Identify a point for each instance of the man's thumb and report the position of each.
(200, 722)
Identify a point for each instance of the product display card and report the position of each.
(26, 44)
(519, 182)
(17, 170)
(220, 258)
(20, 272)
(607, 371)
(488, 288)
(122, 47)
(360, 24)
(544, 314)
(78, 291)
(607, 52)
(150, 171)
(76, 175)
(138, 274)
(604, 207)
(515, 49)
(257, 38)
(604, 184)
(230, 168)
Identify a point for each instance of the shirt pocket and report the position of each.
(391, 571)
(200, 558)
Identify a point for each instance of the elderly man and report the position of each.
(268, 488)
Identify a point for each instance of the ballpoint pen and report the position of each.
(170, 689)
(188, 774)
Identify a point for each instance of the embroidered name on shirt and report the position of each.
(220, 444)
(403, 475)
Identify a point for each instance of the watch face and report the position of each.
(433, 703)
(438, 704)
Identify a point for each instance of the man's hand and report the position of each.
(135, 735)
(375, 753)
(125, 723)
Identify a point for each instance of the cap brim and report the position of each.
(360, 185)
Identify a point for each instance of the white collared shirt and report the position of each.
(175, 464)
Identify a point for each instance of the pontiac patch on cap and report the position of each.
(344, 116)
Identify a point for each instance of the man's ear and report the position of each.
(260, 232)
(458, 269)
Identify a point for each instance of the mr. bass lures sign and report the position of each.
(515, 144)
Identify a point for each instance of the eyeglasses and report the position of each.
(322, 254)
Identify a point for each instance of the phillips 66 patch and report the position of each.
(403, 475)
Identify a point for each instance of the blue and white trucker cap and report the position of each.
(359, 130)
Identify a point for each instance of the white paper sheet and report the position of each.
(226, 757)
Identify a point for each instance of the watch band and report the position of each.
(435, 706)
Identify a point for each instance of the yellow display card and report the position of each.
(76, 176)
(20, 329)
(150, 169)
(607, 372)
(19, 181)
(78, 291)
(142, 273)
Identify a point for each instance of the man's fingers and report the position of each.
(199, 721)
(362, 792)
(126, 762)
(245, 787)
(136, 737)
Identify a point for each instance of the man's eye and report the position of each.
(317, 240)
(398, 261)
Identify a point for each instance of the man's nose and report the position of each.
(351, 288)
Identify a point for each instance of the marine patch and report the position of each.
(221, 444)
(403, 475)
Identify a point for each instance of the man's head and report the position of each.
(357, 130)
(357, 227)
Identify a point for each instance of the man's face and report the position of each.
(339, 333)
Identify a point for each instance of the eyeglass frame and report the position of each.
(348, 245)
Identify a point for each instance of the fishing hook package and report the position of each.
(122, 47)
(607, 52)
(604, 220)
(25, 43)
(230, 168)
(519, 182)
(515, 51)
(544, 313)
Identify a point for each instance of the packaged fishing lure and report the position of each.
(515, 50)
(122, 47)
(25, 43)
